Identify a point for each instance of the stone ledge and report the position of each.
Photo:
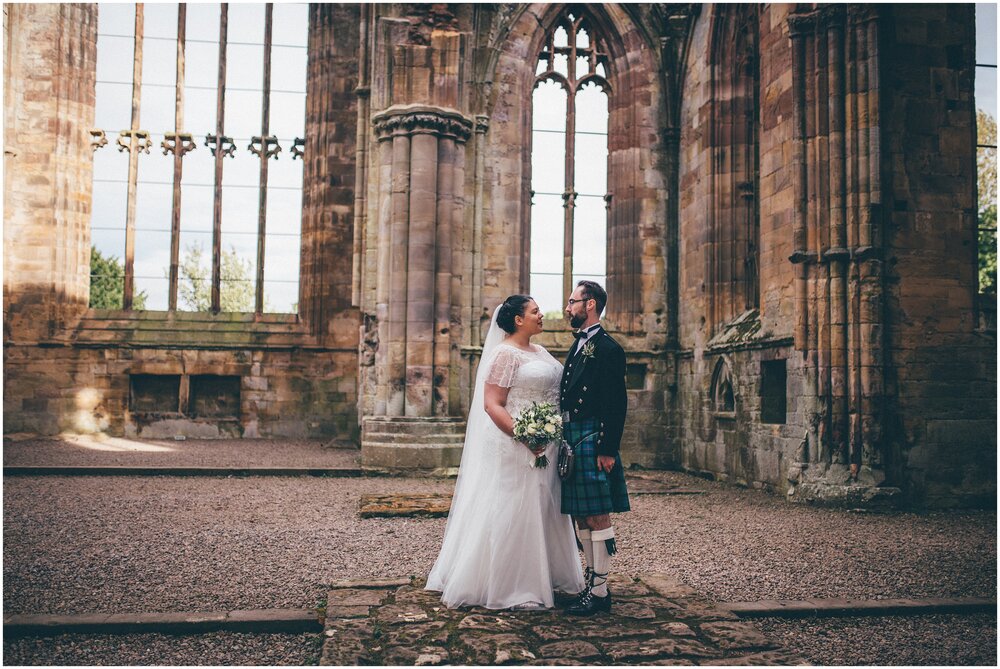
(256, 620)
(180, 471)
(858, 607)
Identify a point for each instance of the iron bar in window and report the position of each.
(135, 137)
(264, 153)
(178, 143)
(219, 151)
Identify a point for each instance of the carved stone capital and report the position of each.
(800, 25)
(421, 119)
(859, 14)
(831, 16)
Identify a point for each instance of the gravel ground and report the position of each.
(85, 450)
(221, 648)
(85, 545)
(945, 640)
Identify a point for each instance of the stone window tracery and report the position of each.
(569, 161)
(735, 231)
(202, 199)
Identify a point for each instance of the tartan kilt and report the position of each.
(589, 491)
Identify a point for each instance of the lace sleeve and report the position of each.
(503, 368)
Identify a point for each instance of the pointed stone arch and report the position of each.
(735, 164)
(636, 187)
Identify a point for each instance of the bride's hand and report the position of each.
(538, 451)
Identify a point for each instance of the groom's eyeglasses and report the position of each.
(570, 302)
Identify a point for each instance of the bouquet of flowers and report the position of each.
(537, 425)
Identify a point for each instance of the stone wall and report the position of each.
(735, 445)
(943, 371)
(858, 218)
(914, 407)
(67, 367)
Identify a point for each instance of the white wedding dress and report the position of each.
(506, 544)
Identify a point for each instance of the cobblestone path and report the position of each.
(655, 620)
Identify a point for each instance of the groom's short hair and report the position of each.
(592, 290)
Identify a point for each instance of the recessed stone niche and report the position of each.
(155, 393)
(214, 396)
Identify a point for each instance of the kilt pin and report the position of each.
(593, 398)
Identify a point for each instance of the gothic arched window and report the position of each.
(569, 161)
(735, 163)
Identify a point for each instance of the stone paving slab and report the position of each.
(655, 620)
(858, 607)
(257, 620)
(428, 505)
(332, 472)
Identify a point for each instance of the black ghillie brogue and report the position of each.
(590, 604)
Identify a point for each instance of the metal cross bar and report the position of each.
(138, 140)
(219, 152)
(264, 153)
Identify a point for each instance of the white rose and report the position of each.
(551, 429)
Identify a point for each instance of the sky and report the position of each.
(287, 121)
(241, 174)
(549, 104)
(986, 53)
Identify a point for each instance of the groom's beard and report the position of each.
(576, 321)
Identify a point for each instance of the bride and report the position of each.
(506, 544)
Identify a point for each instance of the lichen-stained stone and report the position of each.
(496, 648)
(335, 612)
(409, 594)
(580, 650)
(558, 662)
(730, 635)
(634, 610)
(420, 656)
(347, 643)
(648, 649)
(593, 629)
(431, 633)
(355, 597)
(491, 623)
(397, 614)
(676, 629)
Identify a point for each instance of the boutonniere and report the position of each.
(588, 350)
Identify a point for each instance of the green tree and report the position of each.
(107, 283)
(986, 164)
(194, 287)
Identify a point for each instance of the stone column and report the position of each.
(328, 192)
(426, 173)
(422, 172)
(49, 73)
(837, 244)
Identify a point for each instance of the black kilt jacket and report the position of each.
(594, 387)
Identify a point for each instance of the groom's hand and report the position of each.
(605, 463)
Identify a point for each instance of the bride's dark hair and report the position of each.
(513, 306)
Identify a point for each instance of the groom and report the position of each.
(593, 402)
